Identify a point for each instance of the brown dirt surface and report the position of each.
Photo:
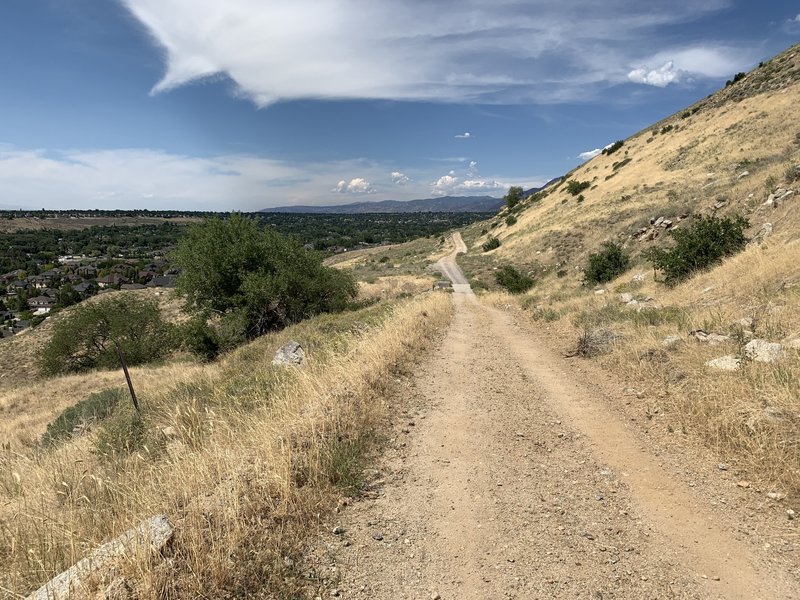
(511, 476)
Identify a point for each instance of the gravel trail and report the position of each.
(509, 478)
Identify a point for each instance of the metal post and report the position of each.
(127, 376)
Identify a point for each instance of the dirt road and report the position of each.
(510, 478)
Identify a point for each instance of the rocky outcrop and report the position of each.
(778, 197)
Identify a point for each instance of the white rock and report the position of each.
(151, 535)
(638, 278)
(715, 339)
(763, 351)
(671, 341)
(626, 297)
(724, 363)
(291, 353)
(599, 292)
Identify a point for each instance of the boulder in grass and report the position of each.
(151, 535)
(763, 351)
(291, 353)
(725, 363)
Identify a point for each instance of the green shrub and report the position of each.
(620, 164)
(511, 220)
(704, 243)
(613, 147)
(92, 409)
(84, 339)
(607, 264)
(257, 279)
(737, 77)
(575, 187)
(491, 244)
(512, 280)
(513, 197)
(667, 129)
(200, 338)
(581, 198)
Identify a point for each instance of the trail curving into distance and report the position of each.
(510, 478)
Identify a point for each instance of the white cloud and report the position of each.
(449, 50)
(685, 64)
(473, 182)
(660, 77)
(589, 154)
(399, 178)
(358, 185)
(445, 184)
(797, 19)
(464, 136)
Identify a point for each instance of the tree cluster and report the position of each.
(255, 280)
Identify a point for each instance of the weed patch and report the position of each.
(88, 412)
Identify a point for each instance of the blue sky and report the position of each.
(245, 104)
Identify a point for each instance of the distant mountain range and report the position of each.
(443, 204)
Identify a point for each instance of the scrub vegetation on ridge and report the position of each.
(681, 257)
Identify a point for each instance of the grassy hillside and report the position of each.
(243, 456)
(731, 153)
(725, 154)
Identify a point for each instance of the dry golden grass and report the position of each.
(259, 454)
(393, 287)
(685, 170)
(751, 416)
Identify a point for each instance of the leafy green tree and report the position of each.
(513, 196)
(704, 243)
(607, 264)
(257, 280)
(84, 339)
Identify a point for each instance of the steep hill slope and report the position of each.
(727, 153)
(736, 152)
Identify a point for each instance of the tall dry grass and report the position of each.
(751, 417)
(256, 456)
